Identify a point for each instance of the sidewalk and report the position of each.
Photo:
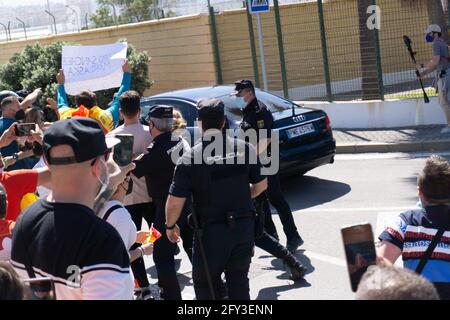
(415, 139)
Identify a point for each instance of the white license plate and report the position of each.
(300, 131)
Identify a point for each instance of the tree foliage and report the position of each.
(36, 67)
(127, 11)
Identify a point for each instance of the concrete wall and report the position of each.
(381, 114)
(178, 47)
(182, 54)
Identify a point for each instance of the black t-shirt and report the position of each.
(56, 236)
(157, 165)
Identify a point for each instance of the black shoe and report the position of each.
(298, 271)
(293, 244)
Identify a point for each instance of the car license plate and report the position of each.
(300, 131)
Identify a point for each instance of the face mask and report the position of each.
(429, 38)
(240, 102)
(20, 115)
(103, 193)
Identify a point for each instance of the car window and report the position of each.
(188, 111)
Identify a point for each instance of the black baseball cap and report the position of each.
(160, 112)
(211, 109)
(243, 84)
(84, 135)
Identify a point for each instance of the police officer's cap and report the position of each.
(211, 109)
(160, 112)
(243, 84)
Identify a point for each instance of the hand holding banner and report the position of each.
(93, 67)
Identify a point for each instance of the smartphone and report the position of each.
(24, 129)
(41, 288)
(123, 152)
(359, 251)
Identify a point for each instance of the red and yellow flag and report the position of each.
(153, 236)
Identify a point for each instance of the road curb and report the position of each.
(383, 147)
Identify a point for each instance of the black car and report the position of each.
(306, 138)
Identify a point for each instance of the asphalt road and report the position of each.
(356, 188)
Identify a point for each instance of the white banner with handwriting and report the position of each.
(93, 67)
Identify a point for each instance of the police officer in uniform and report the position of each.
(222, 184)
(157, 166)
(256, 116)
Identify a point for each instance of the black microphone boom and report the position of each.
(408, 42)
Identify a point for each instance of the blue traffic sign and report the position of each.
(257, 6)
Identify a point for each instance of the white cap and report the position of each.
(433, 28)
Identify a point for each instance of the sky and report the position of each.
(15, 3)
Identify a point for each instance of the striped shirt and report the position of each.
(84, 255)
(413, 232)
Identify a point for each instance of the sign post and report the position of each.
(256, 7)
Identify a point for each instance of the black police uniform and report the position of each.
(257, 116)
(223, 205)
(157, 167)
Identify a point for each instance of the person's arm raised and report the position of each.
(125, 86)
(62, 96)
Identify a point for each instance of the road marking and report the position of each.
(325, 258)
(391, 155)
(377, 209)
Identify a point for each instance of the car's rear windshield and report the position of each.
(273, 103)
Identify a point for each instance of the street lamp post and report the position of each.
(86, 18)
(114, 13)
(6, 30)
(76, 15)
(54, 19)
(24, 27)
(9, 30)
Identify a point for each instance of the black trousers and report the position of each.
(164, 251)
(276, 198)
(137, 212)
(227, 251)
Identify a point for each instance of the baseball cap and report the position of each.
(84, 135)
(160, 112)
(210, 109)
(433, 28)
(243, 84)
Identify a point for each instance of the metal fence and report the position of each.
(326, 50)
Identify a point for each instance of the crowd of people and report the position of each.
(68, 212)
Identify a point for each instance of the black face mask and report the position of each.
(20, 115)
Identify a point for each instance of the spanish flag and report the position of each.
(153, 236)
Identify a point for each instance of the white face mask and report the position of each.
(103, 192)
(240, 102)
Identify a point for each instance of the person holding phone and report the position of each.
(13, 111)
(421, 236)
(62, 237)
(138, 203)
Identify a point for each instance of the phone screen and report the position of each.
(123, 152)
(359, 251)
(41, 289)
(24, 129)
